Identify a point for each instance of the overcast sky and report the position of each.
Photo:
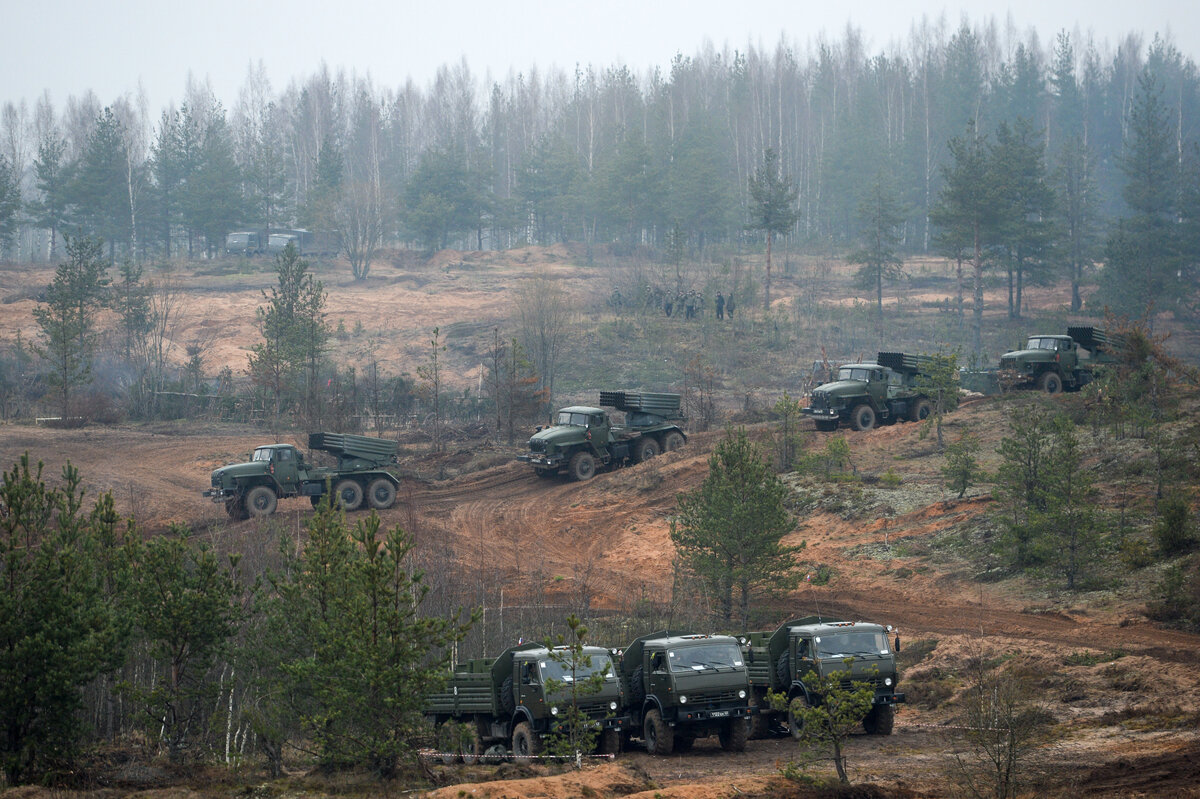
(110, 46)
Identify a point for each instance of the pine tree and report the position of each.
(729, 531)
(881, 216)
(10, 204)
(99, 194)
(67, 317)
(772, 207)
(49, 211)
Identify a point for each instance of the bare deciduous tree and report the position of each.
(543, 313)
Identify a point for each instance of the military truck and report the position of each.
(279, 471)
(1054, 363)
(246, 242)
(865, 394)
(504, 700)
(308, 242)
(584, 439)
(682, 686)
(779, 659)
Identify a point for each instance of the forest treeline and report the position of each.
(663, 160)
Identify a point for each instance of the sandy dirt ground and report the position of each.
(1107, 740)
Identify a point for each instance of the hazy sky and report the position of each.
(109, 46)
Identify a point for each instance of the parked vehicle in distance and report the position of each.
(865, 394)
(1051, 363)
(308, 243)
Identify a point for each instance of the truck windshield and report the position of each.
(577, 419)
(586, 667)
(262, 454)
(854, 373)
(849, 644)
(1042, 344)
(706, 656)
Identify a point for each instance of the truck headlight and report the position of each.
(554, 710)
(612, 705)
(887, 681)
(682, 699)
(742, 694)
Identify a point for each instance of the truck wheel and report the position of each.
(795, 723)
(920, 410)
(659, 737)
(760, 721)
(236, 509)
(1050, 382)
(673, 441)
(733, 735)
(381, 494)
(826, 425)
(526, 742)
(880, 720)
(610, 742)
(507, 702)
(863, 417)
(783, 670)
(471, 747)
(350, 494)
(646, 449)
(545, 474)
(637, 687)
(582, 466)
(260, 501)
(315, 501)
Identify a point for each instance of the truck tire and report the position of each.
(920, 410)
(733, 735)
(795, 725)
(673, 441)
(862, 417)
(381, 494)
(350, 494)
(760, 720)
(582, 466)
(645, 449)
(783, 670)
(471, 747)
(236, 509)
(637, 687)
(826, 425)
(507, 703)
(610, 742)
(545, 474)
(1050, 382)
(880, 720)
(658, 735)
(261, 501)
(526, 742)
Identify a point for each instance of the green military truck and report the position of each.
(681, 686)
(504, 700)
(584, 439)
(865, 394)
(779, 659)
(279, 471)
(1052, 363)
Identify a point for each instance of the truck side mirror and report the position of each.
(897, 646)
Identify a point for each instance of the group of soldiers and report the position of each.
(690, 301)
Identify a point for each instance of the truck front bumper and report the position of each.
(543, 461)
(220, 494)
(711, 714)
(817, 413)
(890, 699)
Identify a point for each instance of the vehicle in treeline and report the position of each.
(246, 242)
(1050, 363)
(307, 242)
(583, 439)
(865, 394)
(779, 659)
(681, 686)
(279, 471)
(505, 700)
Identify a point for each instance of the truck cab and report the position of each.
(684, 686)
(1047, 362)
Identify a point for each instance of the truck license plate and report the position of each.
(719, 714)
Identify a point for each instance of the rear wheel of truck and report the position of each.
(659, 737)
(645, 449)
(672, 441)
(920, 410)
(260, 501)
(471, 747)
(582, 466)
(1050, 382)
(526, 742)
(733, 735)
(880, 720)
(826, 425)
(381, 494)
(760, 726)
(863, 417)
(350, 494)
